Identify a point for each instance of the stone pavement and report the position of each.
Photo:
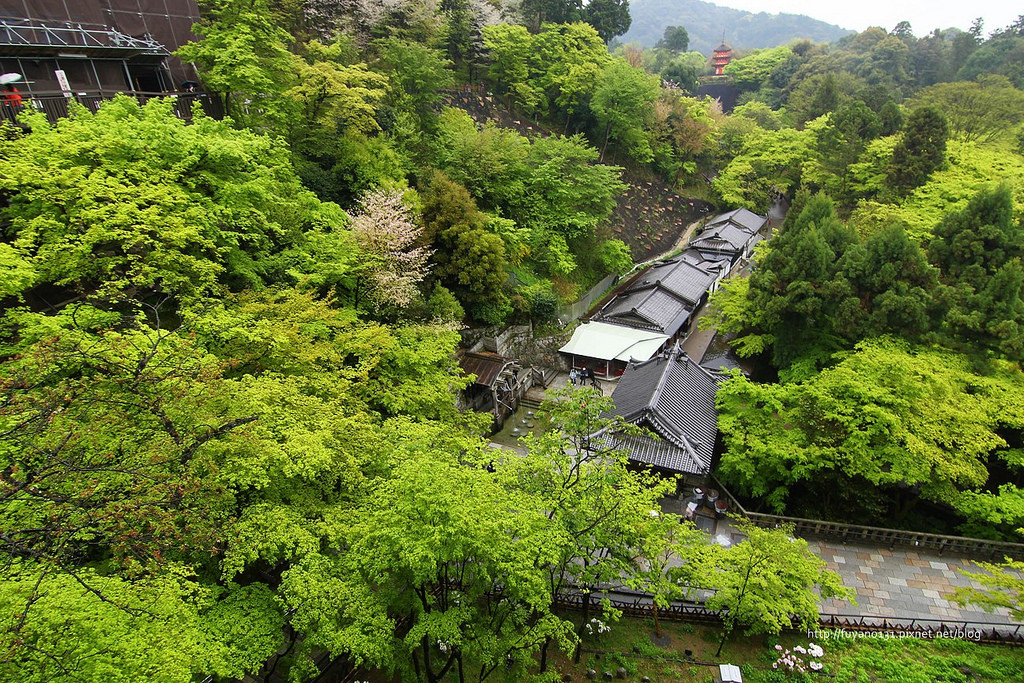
(902, 583)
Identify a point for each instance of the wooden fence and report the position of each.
(638, 605)
(56, 104)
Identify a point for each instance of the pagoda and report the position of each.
(721, 57)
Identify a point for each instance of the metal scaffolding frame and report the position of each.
(20, 36)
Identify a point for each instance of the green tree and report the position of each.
(979, 252)
(1002, 587)
(674, 39)
(566, 192)
(242, 54)
(920, 151)
(623, 105)
(770, 580)
(600, 509)
(982, 110)
(885, 415)
(132, 201)
(609, 18)
(469, 260)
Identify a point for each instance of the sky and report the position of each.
(923, 15)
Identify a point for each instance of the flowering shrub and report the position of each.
(793, 660)
(596, 626)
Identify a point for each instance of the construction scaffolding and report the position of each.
(32, 37)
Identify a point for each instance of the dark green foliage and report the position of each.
(609, 18)
(920, 151)
(468, 260)
(675, 39)
(890, 118)
(818, 289)
(979, 251)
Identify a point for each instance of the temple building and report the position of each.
(721, 58)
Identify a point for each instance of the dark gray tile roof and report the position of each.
(679, 276)
(730, 232)
(653, 309)
(744, 218)
(674, 397)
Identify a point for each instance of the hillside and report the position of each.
(706, 22)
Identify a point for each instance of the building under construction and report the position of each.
(74, 48)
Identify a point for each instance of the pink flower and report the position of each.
(779, 648)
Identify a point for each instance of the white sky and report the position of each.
(923, 15)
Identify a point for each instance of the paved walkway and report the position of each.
(899, 584)
(902, 583)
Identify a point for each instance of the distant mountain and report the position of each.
(706, 22)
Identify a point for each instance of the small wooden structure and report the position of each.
(499, 384)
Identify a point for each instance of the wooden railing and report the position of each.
(979, 548)
(638, 605)
(55, 104)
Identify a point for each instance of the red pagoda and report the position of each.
(721, 57)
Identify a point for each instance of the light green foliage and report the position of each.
(886, 414)
(549, 184)
(979, 110)
(131, 200)
(243, 55)
(1002, 587)
(970, 168)
(615, 256)
(417, 74)
(599, 509)
(768, 579)
(566, 191)
(167, 629)
(489, 161)
(108, 437)
(552, 70)
(683, 130)
(760, 113)
(751, 71)
(453, 555)
(338, 96)
(769, 161)
(444, 307)
(623, 104)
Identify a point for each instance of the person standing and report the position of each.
(572, 377)
(12, 102)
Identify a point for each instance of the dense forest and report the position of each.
(228, 433)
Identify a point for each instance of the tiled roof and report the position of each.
(679, 276)
(730, 232)
(675, 398)
(653, 309)
(744, 218)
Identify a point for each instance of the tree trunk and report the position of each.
(607, 131)
(544, 654)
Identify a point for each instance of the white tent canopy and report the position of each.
(613, 342)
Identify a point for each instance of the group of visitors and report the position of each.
(581, 376)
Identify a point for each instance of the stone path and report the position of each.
(902, 583)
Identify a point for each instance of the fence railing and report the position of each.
(640, 606)
(56, 104)
(871, 535)
(569, 312)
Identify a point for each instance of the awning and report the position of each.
(613, 342)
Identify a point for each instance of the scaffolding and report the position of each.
(24, 37)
